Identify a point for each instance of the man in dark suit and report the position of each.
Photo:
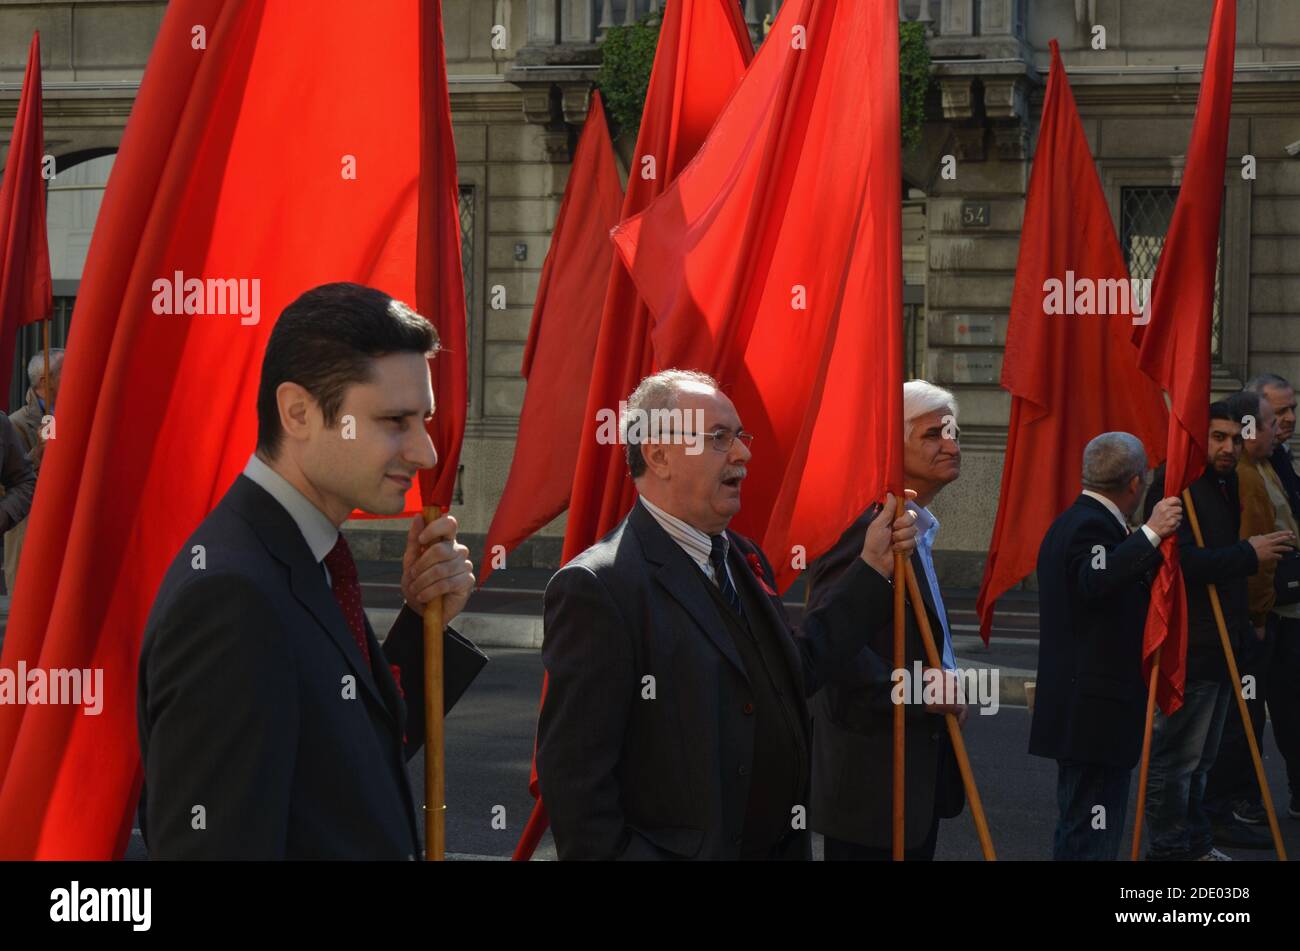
(1184, 745)
(675, 724)
(853, 739)
(1093, 591)
(272, 722)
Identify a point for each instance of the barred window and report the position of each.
(1145, 216)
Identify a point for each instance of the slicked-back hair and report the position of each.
(1257, 384)
(327, 340)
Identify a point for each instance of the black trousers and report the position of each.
(838, 850)
(1275, 664)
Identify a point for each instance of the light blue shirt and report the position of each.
(318, 531)
(927, 527)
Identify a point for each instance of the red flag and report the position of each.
(439, 280)
(265, 114)
(1054, 360)
(703, 50)
(26, 293)
(1175, 346)
(774, 262)
(557, 364)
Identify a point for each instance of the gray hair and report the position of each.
(36, 365)
(659, 391)
(1257, 384)
(1111, 460)
(920, 399)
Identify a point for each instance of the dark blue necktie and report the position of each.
(718, 558)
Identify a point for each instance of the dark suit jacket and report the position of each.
(1090, 700)
(243, 707)
(629, 774)
(853, 725)
(1285, 469)
(1227, 561)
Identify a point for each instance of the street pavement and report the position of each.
(490, 741)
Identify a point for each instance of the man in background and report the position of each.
(852, 759)
(31, 426)
(1094, 588)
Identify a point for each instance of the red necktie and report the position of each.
(347, 592)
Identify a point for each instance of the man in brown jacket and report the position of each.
(1271, 659)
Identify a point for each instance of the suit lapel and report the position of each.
(384, 679)
(282, 538)
(680, 578)
(746, 579)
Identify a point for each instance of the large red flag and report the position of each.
(439, 279)
(557, 363)
(26, 292)
(291, 156)
(703, 51)
(1055, 361)
(1175, 346)
(774, 262)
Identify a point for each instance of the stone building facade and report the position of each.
(520, 95)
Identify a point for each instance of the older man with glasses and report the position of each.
(675, 724)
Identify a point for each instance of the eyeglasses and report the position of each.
(723, 439)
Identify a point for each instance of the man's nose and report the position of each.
(420, 452)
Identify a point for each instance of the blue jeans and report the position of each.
(1080, 788)
(1183, 748)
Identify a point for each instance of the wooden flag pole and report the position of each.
(954, 729)
(1233, 673)
(900, 660)
(435, 789)
(1144, 764)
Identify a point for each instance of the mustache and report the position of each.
(737, 473)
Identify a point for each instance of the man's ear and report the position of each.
(296, 407)
(655, 455)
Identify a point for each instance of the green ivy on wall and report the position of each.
(629, 53)
(913, 80)
(624, 75)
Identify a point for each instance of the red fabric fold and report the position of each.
(561, 345)
(26, 291)
(1175, 346)
(1054, 362)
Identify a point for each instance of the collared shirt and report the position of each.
(318, 531)
(927, 528)
(1113, 509)
(697, 545)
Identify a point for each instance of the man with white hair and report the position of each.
(1093, 593)
(674, 724)
(30, 421)
(852, 801)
